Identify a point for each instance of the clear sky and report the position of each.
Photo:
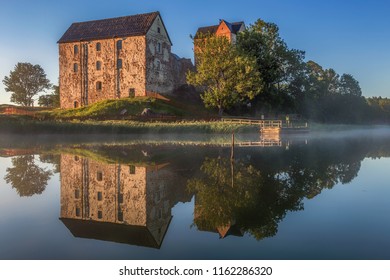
(350, 36)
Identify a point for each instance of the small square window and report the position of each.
(160, 213)
(99, 196)
(158, 196)
(119, 45)
(132, 169)
(98, 85)
(132, 92)
(120, 216)
(99, 176)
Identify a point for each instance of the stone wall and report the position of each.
(115, 193)
(144, 64)
(159, 77)
(117, 81)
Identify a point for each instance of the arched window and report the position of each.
(98, 65)
(98, 85)
(76, 104)
(119, 45)
(75, 49)
(119, 64)
(75, 67)
(158, 30)
(159, 47)
(98, 47)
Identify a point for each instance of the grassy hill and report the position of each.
(129, 108)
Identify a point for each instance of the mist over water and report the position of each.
(320, 195)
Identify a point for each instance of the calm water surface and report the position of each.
(312, 197)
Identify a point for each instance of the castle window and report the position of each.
(98, 47)
(99, 176)
(78, 212)
(119, 64)
(98, 85)
(98, 65)
(99, 196)
(132, 169)
(119, 45)
(159, 47)
(77, 194)
(76, 49)
(120, 216)
(158, 65)
(158, 30)
(76, 158)
(132, 92)
(76, 104)
(158, 196)
(100, 214)
(75, 67)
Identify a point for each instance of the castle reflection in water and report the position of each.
(115, 202)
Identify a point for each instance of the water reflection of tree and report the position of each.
(27, 177)
(242, 196)
(54, 159)
(255, 197)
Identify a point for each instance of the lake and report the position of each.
(323, 195)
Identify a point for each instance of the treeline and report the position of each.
(282, 82)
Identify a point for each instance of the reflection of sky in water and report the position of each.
(348, 221)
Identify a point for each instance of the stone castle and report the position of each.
(116, 58)
(115, 202)
(124, 57)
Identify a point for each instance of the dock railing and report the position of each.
(266, 123)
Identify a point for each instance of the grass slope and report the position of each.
(111, 109)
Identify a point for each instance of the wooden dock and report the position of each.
(271, 127)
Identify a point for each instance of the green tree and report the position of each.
(226, 76)
(50, 100)
(279, 66)
(27, 177)
(350, 86)
(26, 81)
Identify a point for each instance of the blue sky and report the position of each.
(350, 36)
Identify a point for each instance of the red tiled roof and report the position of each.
(234, 28)
(136, 25)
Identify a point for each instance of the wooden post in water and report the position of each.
(232, 149)
(232, 160)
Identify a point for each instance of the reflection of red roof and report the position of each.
(15, 152)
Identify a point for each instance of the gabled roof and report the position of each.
(136, 25)
(234, 27)
(118, 233)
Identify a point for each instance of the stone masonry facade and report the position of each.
(115, 193)
(117, 58)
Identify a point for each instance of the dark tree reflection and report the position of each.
(253, 196)
(27, 177)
